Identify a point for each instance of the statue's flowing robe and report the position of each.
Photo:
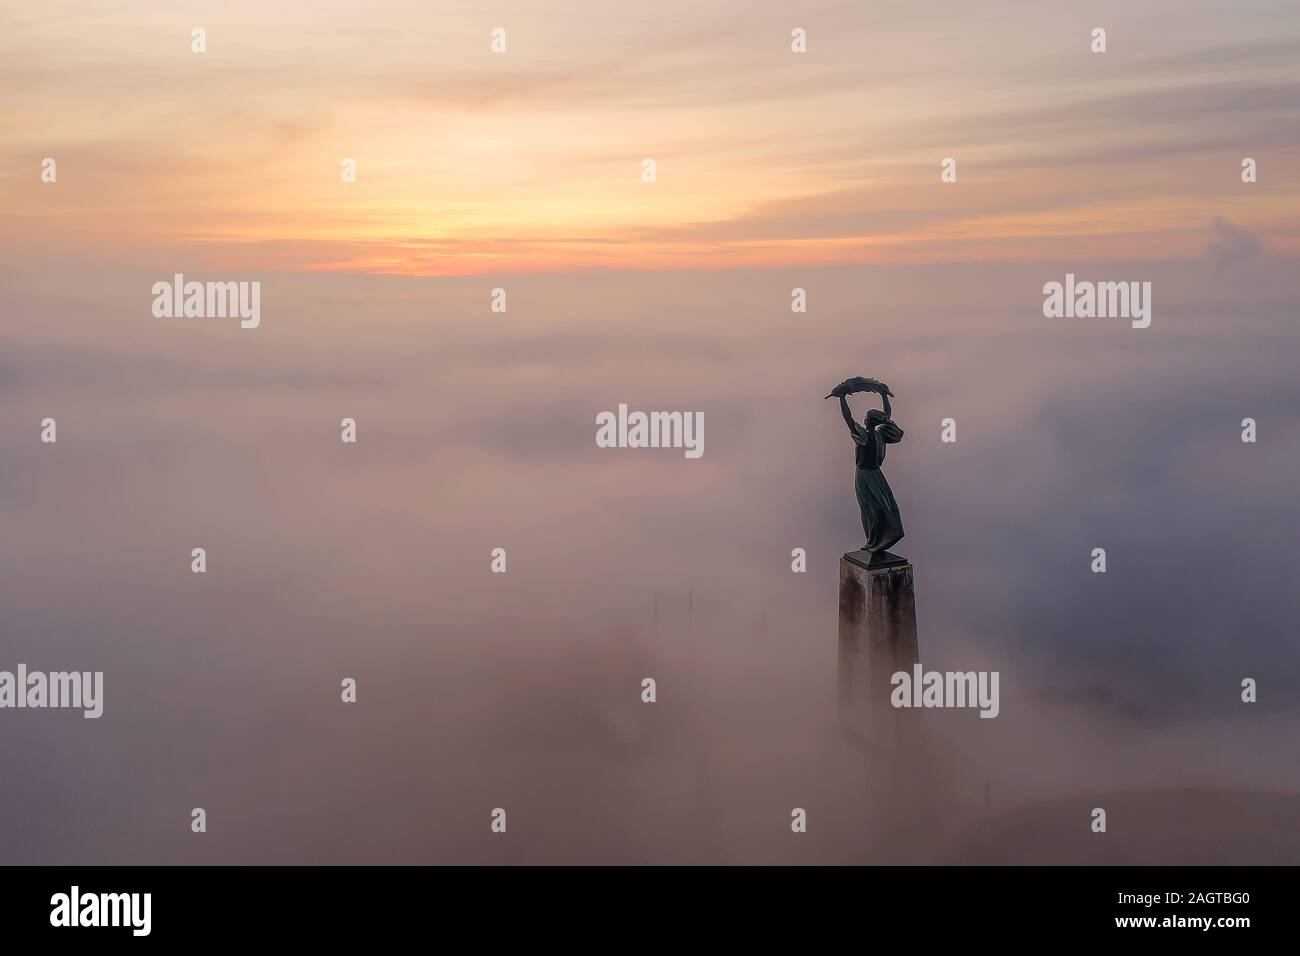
(880, 518)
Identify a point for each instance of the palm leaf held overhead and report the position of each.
(859, 384)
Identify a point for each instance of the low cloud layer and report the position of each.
(476, 430)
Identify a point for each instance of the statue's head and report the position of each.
(875, 417)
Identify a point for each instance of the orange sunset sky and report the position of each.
(470, 161)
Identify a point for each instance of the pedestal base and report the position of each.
(877, 637)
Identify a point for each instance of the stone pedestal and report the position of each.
(877, 638)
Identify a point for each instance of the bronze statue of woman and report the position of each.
(880, 518)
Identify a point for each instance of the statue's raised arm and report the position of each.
(859, 433)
